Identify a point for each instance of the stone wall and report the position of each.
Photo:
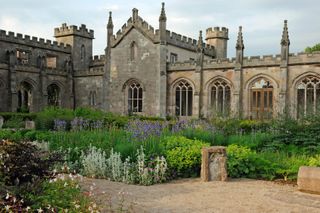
(145, 69)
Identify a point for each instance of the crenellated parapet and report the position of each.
(182, 66)
(248, 62)
(140, 25)
(187, 43)
(93, 71)
(217, 32)
(97, 60)
(33, 41)
(81, 31)
(304, 58)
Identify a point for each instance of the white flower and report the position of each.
(40, 210)
(77, 206)
(7, 207)
(28, 208)
(8, 196)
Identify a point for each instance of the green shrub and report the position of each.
(114, 120)
(183, 155)
(199, 134)
(59, 196)
(5, 134)
(243, 162)
(14, 122)
(45, 119)
(88, 113)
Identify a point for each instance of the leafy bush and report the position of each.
(184, 155)
(59, 196)
(143, 171)
(14, 122)
(22, 163)
(303, 133)
(94, 162)
(45, 119)
(243, 162)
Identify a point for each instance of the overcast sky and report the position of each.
(262, 20)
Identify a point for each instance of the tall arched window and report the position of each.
(220, 97)
(308, 96)
(53, 95)
(261, 99)
(135, 96)
(92, 98)
(82, 53)
(24, 96)
(184, 94)
(133, 51)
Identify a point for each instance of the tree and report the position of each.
(313, 49)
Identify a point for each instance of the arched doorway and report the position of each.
(261, 93)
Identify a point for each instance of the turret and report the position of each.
(80, 40)
(163, 24)
(219, 39)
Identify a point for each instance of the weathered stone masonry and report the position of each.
(155, 72)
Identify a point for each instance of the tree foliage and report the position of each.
(313, 49)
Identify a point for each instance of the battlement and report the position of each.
(140, 24)
(98, 60)
(217, 32)
(66, 30)
(187, 43)
(304, 58)
(33, 41)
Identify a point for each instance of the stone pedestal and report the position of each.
(30, 125)
(214, 164)
(1, 122)
(309, 179)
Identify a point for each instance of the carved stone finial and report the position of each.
(135, 14)
(240, 45)
(285, 41)
(200, 41)
(163, 16)
(110, 23)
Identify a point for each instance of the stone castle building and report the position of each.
(155, 73)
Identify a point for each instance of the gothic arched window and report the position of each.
(308, 96)
(82, 53)
(25, 96)
(135, 96)
(184, 94)
(53, 95)
(92, 98)
(220, 97)
(133, 51)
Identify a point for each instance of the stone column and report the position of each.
(238, 78)
(13, 96)
(283, 94)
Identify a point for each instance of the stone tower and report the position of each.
(219, 39)
(80, 39)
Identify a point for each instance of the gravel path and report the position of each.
(192, 195)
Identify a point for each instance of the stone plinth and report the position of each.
(1, 122)
(30, 125)
(309, 179)
(214, 164)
